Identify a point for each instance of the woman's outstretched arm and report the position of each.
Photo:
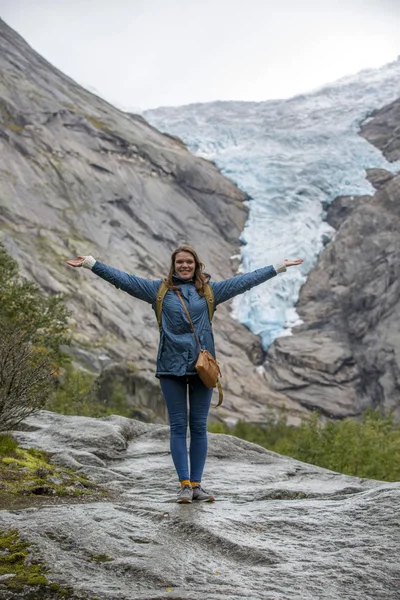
(227, 289)
(144, 289)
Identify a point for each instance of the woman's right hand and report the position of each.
(76, 262)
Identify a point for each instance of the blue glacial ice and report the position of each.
(292, 157)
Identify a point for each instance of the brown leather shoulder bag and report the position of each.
(207, 366)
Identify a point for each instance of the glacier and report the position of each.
(292, 157)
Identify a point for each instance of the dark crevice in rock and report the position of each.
(100, 168)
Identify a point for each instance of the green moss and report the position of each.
(24, 471)
(36, 578)
(101, 558)
(18, 558)
(55, 587)
(62, 592)
(31, 458)
(13, 560)
(10, 541)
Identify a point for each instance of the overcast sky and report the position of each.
(142, 54)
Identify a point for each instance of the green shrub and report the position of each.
(33, 329)
(42, 319)
(368, 447)
(77, 394)
(34, 372)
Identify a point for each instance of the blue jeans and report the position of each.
(175, 391)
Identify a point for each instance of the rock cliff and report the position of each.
(79, 176)
(345, 356)
(282, 529)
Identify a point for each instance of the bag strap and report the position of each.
(162, 290)
(188, 316)
(220, 395)
(220, 392)
(209, 296)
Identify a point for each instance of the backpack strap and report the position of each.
(209, 296)
(163, 289)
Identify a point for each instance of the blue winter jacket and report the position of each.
(178, 350)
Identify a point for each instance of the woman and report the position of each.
(178, 349)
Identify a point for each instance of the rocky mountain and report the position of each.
(282, 529)
(79, 176)
(345, 356)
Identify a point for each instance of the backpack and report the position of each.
(163, 289)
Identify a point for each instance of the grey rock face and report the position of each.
(383, 130)
(279, 528)
(79, 176)
(346, 355)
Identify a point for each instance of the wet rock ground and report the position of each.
(280, 529)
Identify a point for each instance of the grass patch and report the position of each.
(368, 447)
(8, 445)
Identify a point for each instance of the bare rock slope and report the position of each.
(346, 355)
(79, 176)
(280, 529)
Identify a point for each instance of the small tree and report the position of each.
(33, 328)
(26, 377)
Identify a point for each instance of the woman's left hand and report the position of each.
(292, 263)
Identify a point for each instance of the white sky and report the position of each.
(141, 54)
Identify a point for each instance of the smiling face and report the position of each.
(185, 265)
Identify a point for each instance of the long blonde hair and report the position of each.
(199, 277)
